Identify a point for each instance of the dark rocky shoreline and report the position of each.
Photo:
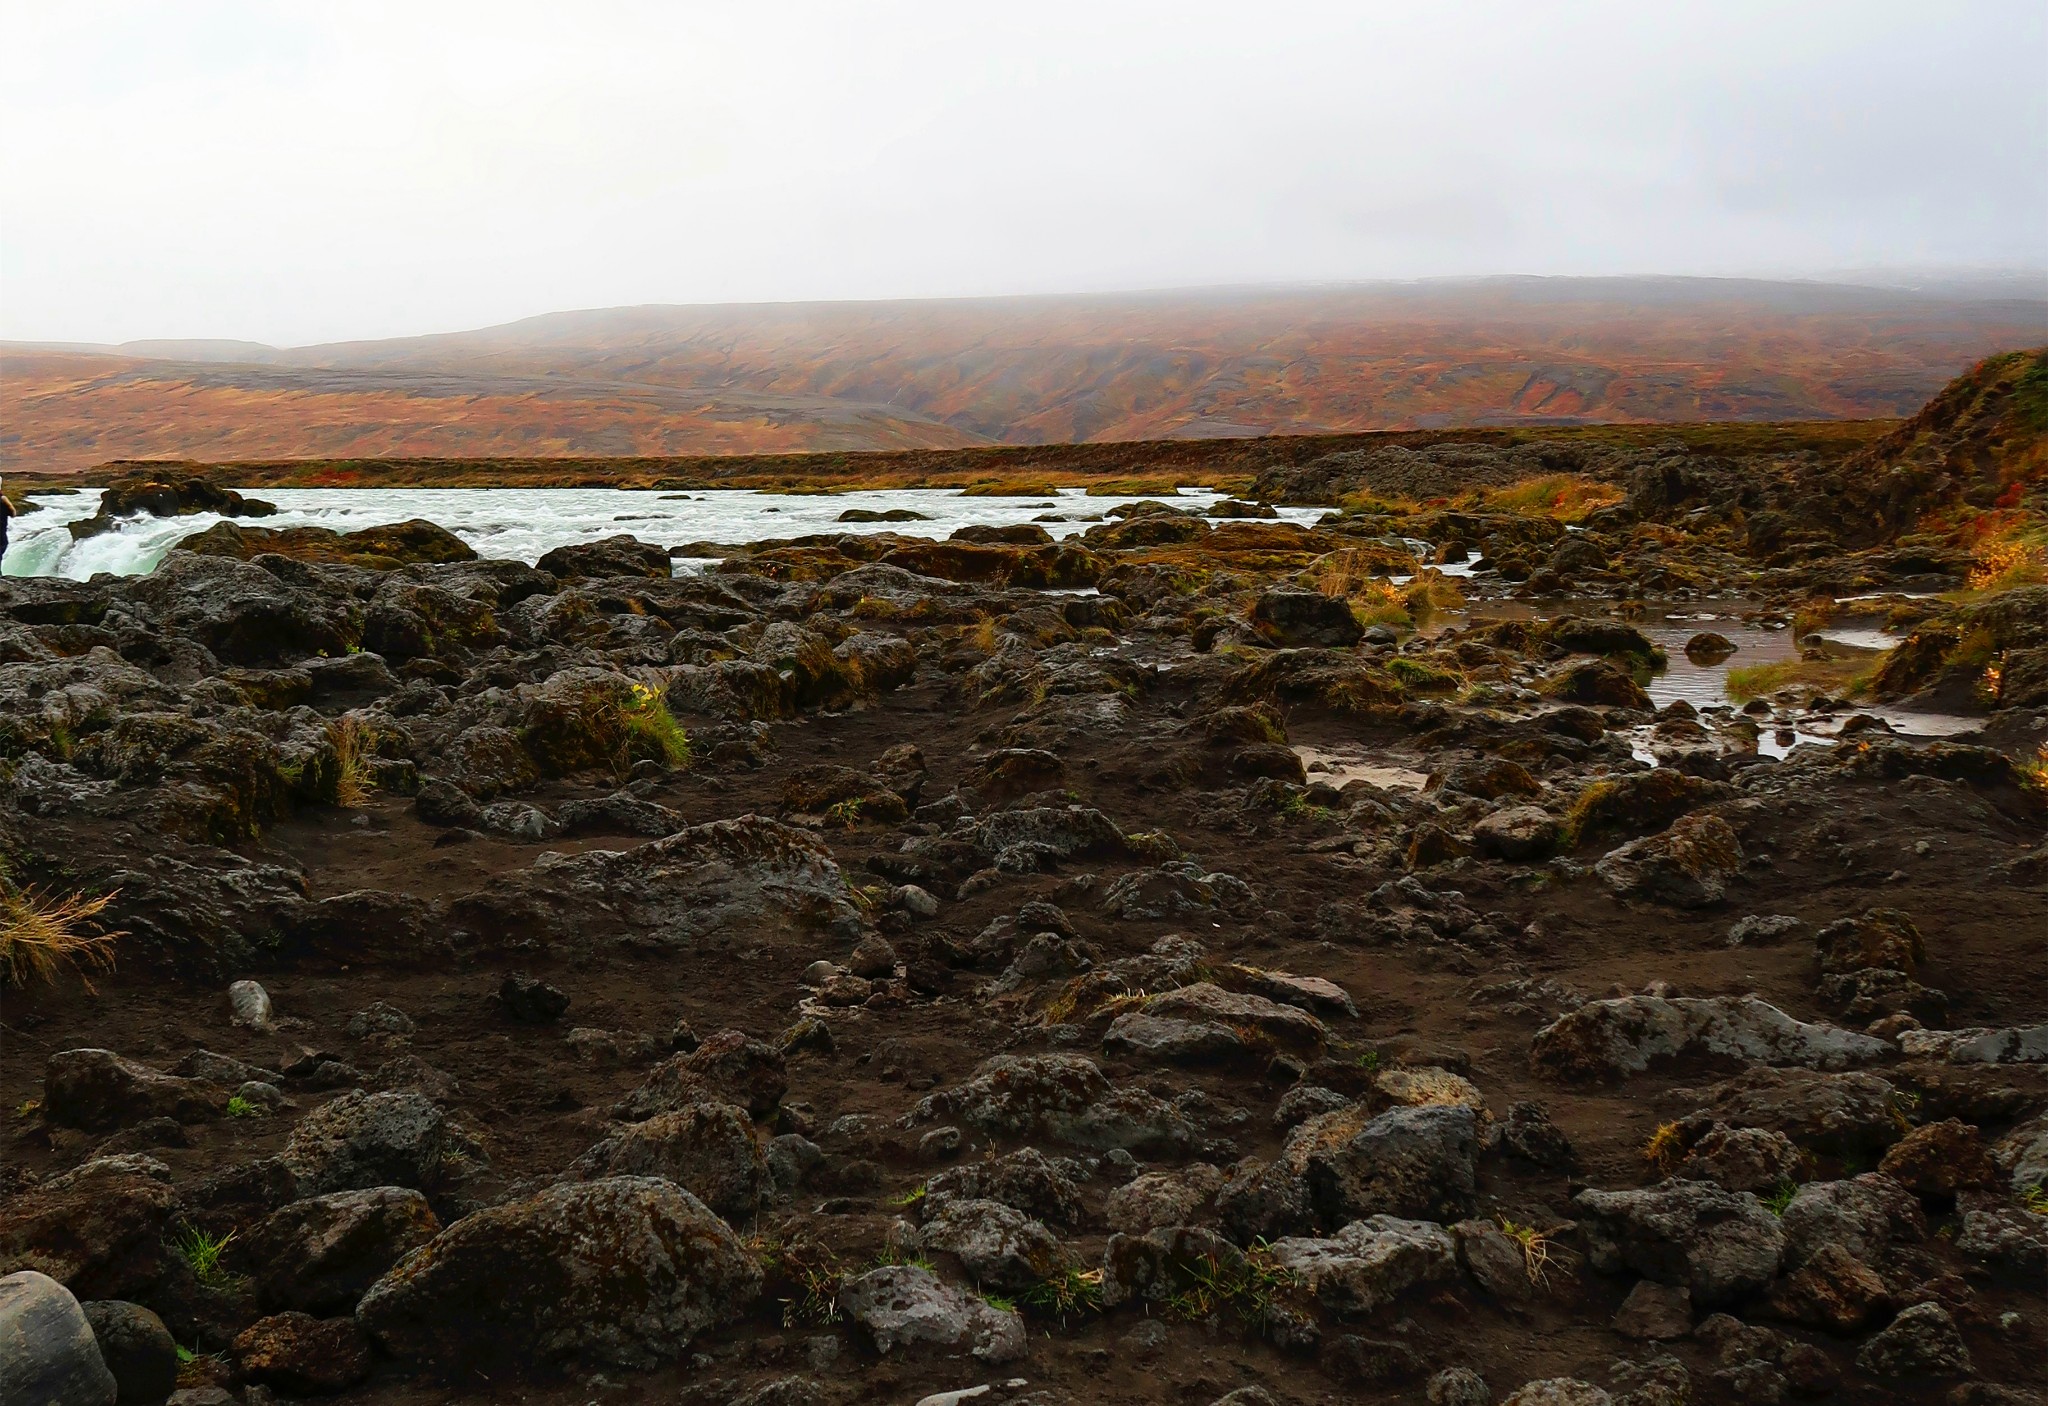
(878, 967)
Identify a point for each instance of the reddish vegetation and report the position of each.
(868, 376)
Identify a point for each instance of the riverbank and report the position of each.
(1151, 466)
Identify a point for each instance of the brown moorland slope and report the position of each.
(666, 381)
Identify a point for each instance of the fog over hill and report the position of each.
(738, 378)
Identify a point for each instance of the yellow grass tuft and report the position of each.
(1664, 1150)
(42, 937)
(354, 742)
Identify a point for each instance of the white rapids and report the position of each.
(523, 523)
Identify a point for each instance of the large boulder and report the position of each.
(1517, 834)
(1369, 1263)
(628, 1270)
(1688, 866)
(1045, 1188)
(608, 557)
(907, 1307)
(724, 885)
(1842, 1114)
(998, 1245)
(1881, 937)
(1296, 619)
(1861, 1216)
(708, 1148)
(1063, 1097)
(381, 548)
(1718, 1244)
(97, 1089)
(1349, 1164)
(361, 1140)
(729, 1067)
(1616, 1038)
(321, 1255)
(137, 1348)
(100, 1229)
(48, 1356)
(303, 1355)
(1940, 1159)
(1265, 1023)
(1923, 1341)
(166, 491)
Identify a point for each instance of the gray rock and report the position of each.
(1849, 1114)
(2000, 1233)
(223, 1070)
(137, 1348)
(1271, 1024)
(1063, 1097)
(1047, 1188)
(1497, 1262)
(1558, 1391)
(1458, 1386)
(1158, 1040)
(1411, 1162)
(265, 1098)
(250, 1004)
(903, 1306)
(1163, 1198)
(2024, 1153)
(701, 886)
(997, 1245)
(1718, 1244)
(1923, 1341)
(790, 1159)
(1517, 834)
(1743, 1159)
(322, 1254)
(1369, 1263)
(379, 1018)
(1058, 832)
(47, 1352)
(2011, 1045)
(708, 1148)
(1296, 618)
(1762, 930)
(97, 1090)
(361, 1140)
(1655, 1312)
(1306, 1101)
(99, 1229)
(626, 1271)
(1689, 865)
(1160, 1263)
(1613, 1039)
(1862, 1215)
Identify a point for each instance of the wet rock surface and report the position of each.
(880, 966)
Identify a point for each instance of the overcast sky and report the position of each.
(292, 172)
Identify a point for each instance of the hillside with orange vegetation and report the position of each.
(785, 378)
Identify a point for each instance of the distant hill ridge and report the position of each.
(786, 378)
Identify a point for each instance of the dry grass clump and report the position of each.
(1536, 1245)
(42, 936)
(1566, 497)
(354, 743)
(1664, 1150)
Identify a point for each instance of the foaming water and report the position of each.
(523, 523)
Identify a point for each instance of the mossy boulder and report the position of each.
(623, 1270)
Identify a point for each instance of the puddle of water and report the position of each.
(1340, 768)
